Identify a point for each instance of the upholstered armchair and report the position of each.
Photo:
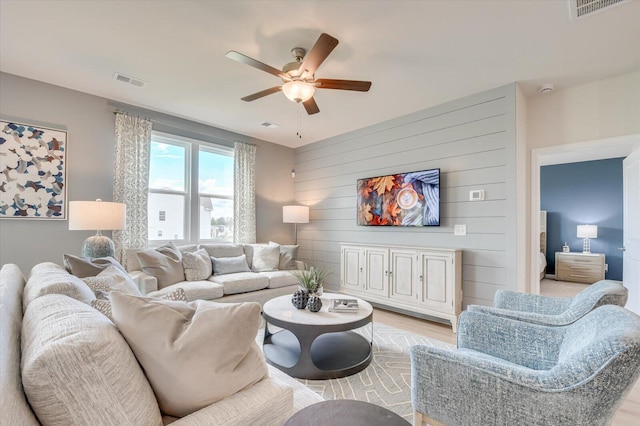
(509, 372)
(555, 310)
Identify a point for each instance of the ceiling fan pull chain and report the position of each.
(299, 121)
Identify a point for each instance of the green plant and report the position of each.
(313, 278)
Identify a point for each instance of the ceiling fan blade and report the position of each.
(327, 83)
(262, 93)
(236, 56)
(319, 52)
(311, 106)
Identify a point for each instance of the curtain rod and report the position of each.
(168, 123)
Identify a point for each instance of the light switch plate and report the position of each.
(460, 230)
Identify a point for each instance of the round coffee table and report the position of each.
(317, 345)
(345, 412)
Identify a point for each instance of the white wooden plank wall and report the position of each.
(472, 141)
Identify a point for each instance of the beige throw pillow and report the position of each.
(193, 354)
(164, 263)
(197, 265)
(50, 278)
(112, 279)
(77, 369)
(288, 256)
(83, 267)
(103, 305)
(265, 258)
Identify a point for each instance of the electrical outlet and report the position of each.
(460, 230)
(606, 267)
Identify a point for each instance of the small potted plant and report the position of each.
(311, 283)
(312, 280)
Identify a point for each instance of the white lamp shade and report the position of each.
(295, 214)
(96, 215)
(298, 91)
(587, 231)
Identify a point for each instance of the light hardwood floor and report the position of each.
(628, 413)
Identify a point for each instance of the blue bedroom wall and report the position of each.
(589, 192)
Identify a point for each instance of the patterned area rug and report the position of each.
(387, 380)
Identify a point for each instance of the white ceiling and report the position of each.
(417, 54)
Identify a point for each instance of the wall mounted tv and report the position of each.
(406, 199)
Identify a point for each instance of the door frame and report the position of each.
(600, 149)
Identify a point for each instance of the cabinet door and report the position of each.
(352, 269)
(376, 271)
(403, 275)
(436, 276)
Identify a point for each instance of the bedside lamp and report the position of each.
(295, 215)
(100, 216)
(587, 232)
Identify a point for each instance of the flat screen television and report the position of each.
(406, 199)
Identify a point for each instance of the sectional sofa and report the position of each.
(229, 272)
(63, 362)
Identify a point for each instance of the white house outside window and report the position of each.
(190, 190)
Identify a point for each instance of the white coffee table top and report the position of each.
(281, 308)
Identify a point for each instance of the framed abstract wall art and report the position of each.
(405, 199)
(33, 163)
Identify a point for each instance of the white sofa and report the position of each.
(234, 287)
(78, 369)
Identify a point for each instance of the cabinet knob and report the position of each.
(421, 278)
(360, 269)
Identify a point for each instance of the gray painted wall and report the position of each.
(472, 141)
(89, 121)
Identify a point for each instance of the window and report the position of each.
(190, 190)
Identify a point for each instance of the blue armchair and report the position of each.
(509, 372)
(546, 310)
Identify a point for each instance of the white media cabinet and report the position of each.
(420, 280)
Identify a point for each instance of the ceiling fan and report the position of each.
(298, 77)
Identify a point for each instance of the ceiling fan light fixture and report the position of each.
(298, 91)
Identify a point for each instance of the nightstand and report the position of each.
(580, 267)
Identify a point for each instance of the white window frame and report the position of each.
(192, 194)
(220, 150)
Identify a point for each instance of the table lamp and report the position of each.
(587, 232)
(295, 215)
(100, 216)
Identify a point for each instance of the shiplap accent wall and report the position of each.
(473, 142)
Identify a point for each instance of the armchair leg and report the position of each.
(420, 419)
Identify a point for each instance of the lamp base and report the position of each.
(98, 246)
(586, 246)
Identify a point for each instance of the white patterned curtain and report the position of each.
(244, 194)
(131, 181)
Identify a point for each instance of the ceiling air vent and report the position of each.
(129, 80)
(582, 8)
(270, 125)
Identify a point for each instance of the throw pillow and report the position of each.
(265, 258)
(51, 278)
(197, 265)
(103, 305)
(111, 279)
(209, 348)
(229, 265)
(78, 369)
(83, 267)
(164, 263)
(288, 256)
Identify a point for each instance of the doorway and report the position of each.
(562, 154)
